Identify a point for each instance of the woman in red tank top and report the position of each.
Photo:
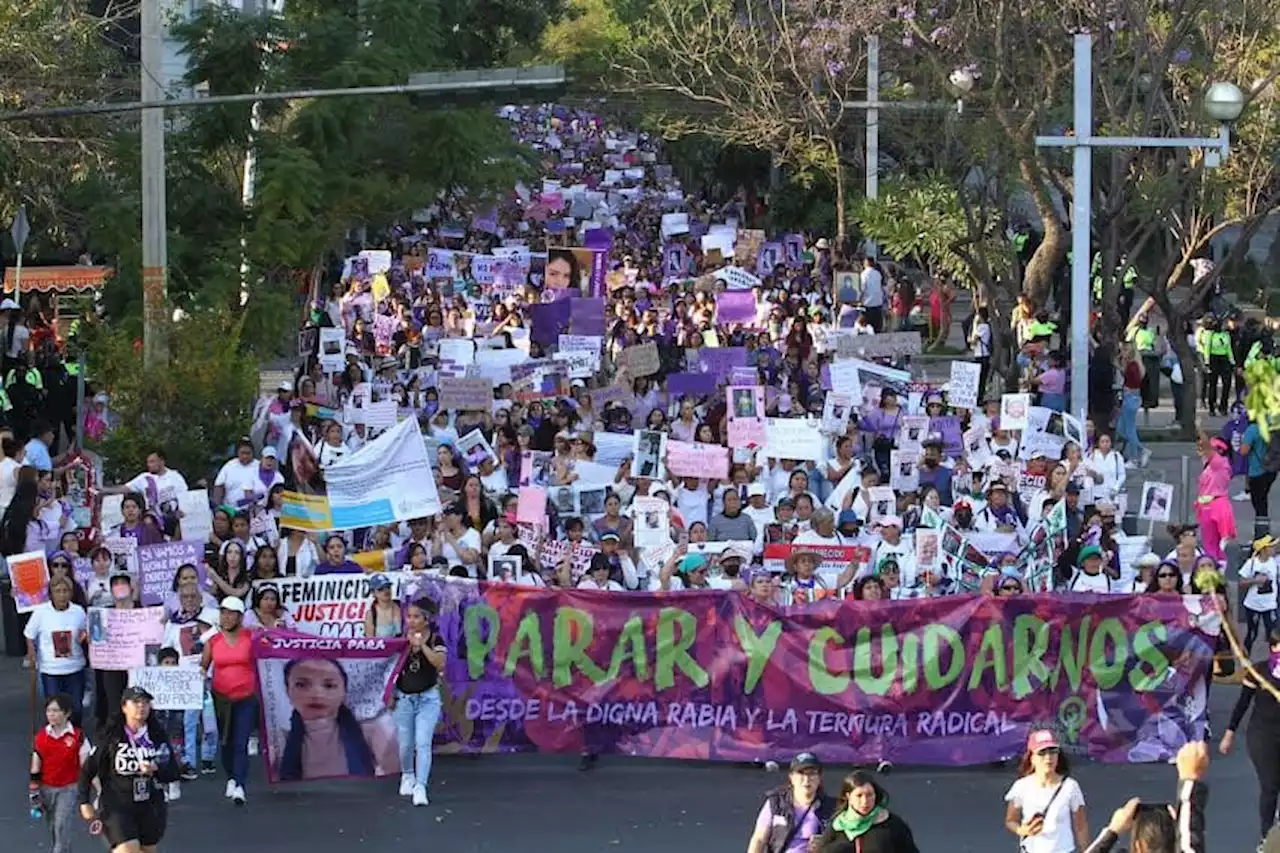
(235, 686)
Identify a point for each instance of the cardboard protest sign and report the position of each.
(466, 394)
(962, 391)
(640, 360)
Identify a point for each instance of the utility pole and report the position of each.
(873, 129)
(155, 261)
(1223, 102)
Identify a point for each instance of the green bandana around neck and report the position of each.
(854, 825)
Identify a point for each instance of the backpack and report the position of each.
(1271, 459)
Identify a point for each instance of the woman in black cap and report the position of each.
(132, 763)
(793, 815)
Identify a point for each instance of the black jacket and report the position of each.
(115, 762)
(889, 836)
(782, 805)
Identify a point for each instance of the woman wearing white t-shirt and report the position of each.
(458, 544)
(1045, 807)
(9, 467)
(1258, 576)
(55, 635)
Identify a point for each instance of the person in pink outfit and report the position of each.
(1213, 508)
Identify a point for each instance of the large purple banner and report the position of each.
(712, 675)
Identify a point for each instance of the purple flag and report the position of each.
(587, 314)
(735, 306)
(548, 321)
(691, 384)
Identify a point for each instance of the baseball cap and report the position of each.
(755, 489)
(1088, 551)
(891, 521)
(847, 516)
(286, 386)
(691, 563)
(135, 694)
(1040, 740)
(378, 582)
(1267, 541)
(269, 452)
(804, 761)
(235, 605)
(609, 536)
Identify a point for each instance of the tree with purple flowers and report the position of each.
(767, 74)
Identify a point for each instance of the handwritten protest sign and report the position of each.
(118, 638)
(794, 438)
(157, 564)
(640, 360)
(736, 278)
(963, 389)
(463, 394)
(885, 345)
(29, 576)
(704, 461)
(172, 688)
(845, 378)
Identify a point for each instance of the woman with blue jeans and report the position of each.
(415, 705)
(1130, 403)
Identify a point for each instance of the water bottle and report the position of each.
(36, 806)
(36, 812)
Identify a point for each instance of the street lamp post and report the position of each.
(1223, 102)
(19, 231)
(872, 107)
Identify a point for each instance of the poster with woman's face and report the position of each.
(324, 707)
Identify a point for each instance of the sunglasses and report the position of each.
(1166, 575)
(1011, 587)
(1051, 750)
(60, 564)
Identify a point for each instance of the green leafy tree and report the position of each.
(55, 53)
(194, 408)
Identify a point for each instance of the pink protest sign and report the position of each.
(704, 461)
(532, 508)
(746, 416)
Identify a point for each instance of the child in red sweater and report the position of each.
(59, 750)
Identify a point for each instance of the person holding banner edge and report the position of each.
(415, 705)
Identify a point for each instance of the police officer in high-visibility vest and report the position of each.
(1222, 362)
(24, 387)
(1144, 343)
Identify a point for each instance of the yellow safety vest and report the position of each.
(1220, 344)
(1143, 339)
(34, 379)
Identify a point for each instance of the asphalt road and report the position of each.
(542, 803)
